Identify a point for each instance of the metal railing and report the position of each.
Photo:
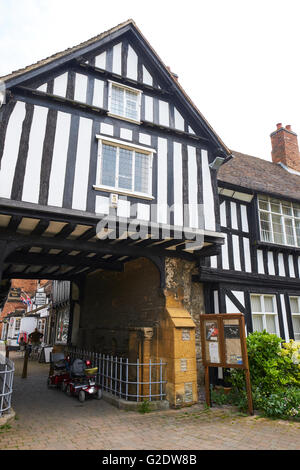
(132, 381)
(7, 369)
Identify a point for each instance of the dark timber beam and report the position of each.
(50, 277)
(209, 251)
(99, 246)
(45, 97)
(152, 91)
(58, 260)
(6, 247)
(243, 279)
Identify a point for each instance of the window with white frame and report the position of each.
(264, 313)
(41, 326)
(17, 326)
(62, 326)
(124, 102)
(279, 221)
(124, 169)
(295, 311)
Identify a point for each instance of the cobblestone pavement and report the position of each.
(49, 420)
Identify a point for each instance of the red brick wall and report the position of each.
(285, 147)
(27, 285)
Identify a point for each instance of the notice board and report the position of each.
(223, 341)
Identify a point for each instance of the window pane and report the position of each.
(296, 208)
(270, 322)
(297, 226)
(277, 229)
(275, 205)
(294, 304)
(269, 304)
(117, 100)
(257, 323)
(255, 303)
(141, 173)
(131, 105)
(289, 231)
(263, 205)
(265, 224)
(296, 327)
(108, 170)
(287, 208)
(125, 169)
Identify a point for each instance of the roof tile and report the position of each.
(259, 175)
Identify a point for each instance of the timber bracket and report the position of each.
(6, 248)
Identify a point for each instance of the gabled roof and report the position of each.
(259, 175)
(65, 53)
(59, 58)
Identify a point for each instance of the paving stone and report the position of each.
(49, 420)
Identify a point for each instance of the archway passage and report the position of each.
(49, 244)
(38, 242)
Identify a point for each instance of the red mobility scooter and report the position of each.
(59, 370)
(82, 381)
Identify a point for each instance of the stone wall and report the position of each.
(114, 303)
(191, 294)
(128, 314)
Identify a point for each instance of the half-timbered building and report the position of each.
(257, 271)
(112, 179)
(104, 131)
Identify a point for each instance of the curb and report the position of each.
(134, 406)
(7, 417)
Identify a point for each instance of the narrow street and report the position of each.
(49, 420)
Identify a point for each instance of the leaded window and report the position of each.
(125, 169)
(124, 102)
(279, 221)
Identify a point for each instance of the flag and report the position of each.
(26, 300)
(23, 299)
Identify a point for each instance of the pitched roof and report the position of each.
(260, 175)
(64, 54)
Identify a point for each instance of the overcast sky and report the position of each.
(238, 60)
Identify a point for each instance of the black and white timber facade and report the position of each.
(61, 119)
(106, 125)
(257, 271)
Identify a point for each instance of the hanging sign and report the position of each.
(40, 298)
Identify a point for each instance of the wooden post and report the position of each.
(207, 388)
(26, 356)
(246, 363)
(6, 351)
(249, 392)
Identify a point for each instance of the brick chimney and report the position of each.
(285, 147)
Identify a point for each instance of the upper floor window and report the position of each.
(17, 324)
(264, 313)
(124, 168)
(279, 221)
(124, 102)
(295, 310)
